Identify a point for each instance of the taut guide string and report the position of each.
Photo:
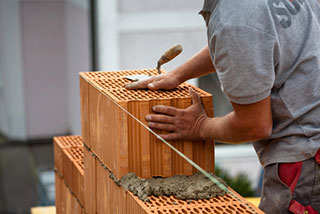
(213, 179)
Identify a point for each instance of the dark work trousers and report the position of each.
(292, 187)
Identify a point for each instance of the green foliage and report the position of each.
(240, 183)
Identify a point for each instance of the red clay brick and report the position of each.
(58, 193)
(69, 149)
(64, 142)
(77, 184)
(66, 202)
(123, 144)
(90, 179)
(69, 171)
(84, 108)
(114, 199)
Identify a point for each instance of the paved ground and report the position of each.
(19, 163)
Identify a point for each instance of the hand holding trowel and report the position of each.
(143, 81)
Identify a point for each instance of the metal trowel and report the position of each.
(170, 54)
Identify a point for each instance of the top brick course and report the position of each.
(112, 84)
(66, 142)
(122, 143)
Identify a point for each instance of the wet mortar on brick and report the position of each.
(194, 187)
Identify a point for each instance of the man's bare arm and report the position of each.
(249, 122)
(198, 65)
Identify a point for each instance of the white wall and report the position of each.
(12, 105)
(45, 64)
(129, 6)
(44, 45)
(133, 34)
(78, 57)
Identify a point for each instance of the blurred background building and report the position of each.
(44, 44)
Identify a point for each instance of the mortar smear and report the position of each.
(194, 187)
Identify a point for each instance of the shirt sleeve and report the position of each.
(244, 60)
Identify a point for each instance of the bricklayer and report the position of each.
(122, 143)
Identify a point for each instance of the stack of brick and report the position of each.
(114, 143)
(121, 142)
(109, 198)
(69, 174)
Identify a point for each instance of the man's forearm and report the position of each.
(199, 65)
(249, 122)
(229, 129)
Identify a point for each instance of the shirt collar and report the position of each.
(208, 8)
(209, 5)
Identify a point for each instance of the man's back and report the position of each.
(272, 45)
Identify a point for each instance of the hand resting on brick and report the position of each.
(183, 124)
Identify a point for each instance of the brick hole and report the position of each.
(157, 203)
(173, 201)
(232, 207)
(215, 200)
(181, 202)
(219, 208)
(204, 201)
(239, 209)
(243, 207)
(228, 210)
(192, 202)
(161, 201)
(226, 199)
(196, 210)
(154, 198)
(172, 212)
(207, 209)
(184, 211)
(166, 199)
(229, 196)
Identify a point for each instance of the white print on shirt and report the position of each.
(285, 9)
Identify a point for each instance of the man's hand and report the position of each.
(199, 65)
(184, 124)
(163, 81)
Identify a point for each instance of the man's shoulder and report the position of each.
(255, 14)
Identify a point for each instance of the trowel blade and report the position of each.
(137, 77)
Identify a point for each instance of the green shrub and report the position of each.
(240, 183)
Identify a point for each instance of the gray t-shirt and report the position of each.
(271, 47)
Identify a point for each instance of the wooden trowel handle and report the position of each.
(174, 51)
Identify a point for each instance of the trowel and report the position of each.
(170, 54)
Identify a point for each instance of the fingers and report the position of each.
(171, 136)
(194, 96)
(162, 126)
(166, 110)
(152, 83)
(161, 84)
(160, 118)
(139, 84)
